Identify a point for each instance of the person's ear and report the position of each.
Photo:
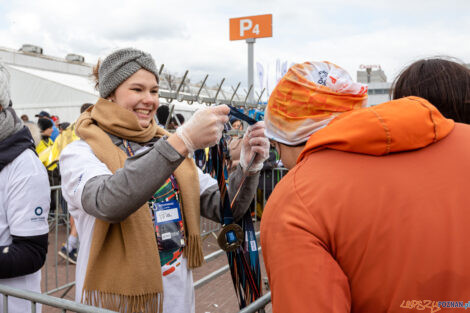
(111, 97)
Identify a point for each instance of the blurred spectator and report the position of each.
(163, 112)
(34, 130)
(43, 114)
(24, 205)
(25, 118)
(45, 127)
(237, 125)
(235, 146)
(63, 126)
(176, 121)
(85, 106)
(179, 119)
(56, 120)
(55, 130)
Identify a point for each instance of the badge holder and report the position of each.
(168, 225)
(230, 237)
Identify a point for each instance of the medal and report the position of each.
(230, 237)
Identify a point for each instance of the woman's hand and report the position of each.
(254, 141)
(204, 128)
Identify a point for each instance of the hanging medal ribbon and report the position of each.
(237, 239)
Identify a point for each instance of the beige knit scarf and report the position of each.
(124, 271)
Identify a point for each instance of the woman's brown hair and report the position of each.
(441, 81)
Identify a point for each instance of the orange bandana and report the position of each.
(307, 98)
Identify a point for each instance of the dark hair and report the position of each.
(180, 118)
(85, 106)
(64, 125)
(162, 114)
(44, 123)
(443, 82)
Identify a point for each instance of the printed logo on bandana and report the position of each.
(38, 212)
(323, 77)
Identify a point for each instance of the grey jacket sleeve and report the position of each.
(113, 198)
(210, 198)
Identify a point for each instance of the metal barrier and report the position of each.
(37, 298)
(59, 221)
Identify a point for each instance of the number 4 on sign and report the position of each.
(246, 25)
(256, 29)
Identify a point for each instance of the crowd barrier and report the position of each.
(56, 274)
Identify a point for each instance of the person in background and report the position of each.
(176, 121)
(179, 119)
(163, 112)
(55, 130)
(25, 118)
(24, 205)
(45, 126)
(56, 121)
(445, 82)
(137, 197)
(63, 126)
(235, 145)
(35, 133)
(372, 195)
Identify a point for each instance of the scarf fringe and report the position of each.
(193, 251)
(151, 303)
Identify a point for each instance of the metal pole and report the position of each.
(251, 46)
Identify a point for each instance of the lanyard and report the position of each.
(243, 255)
(129, 150)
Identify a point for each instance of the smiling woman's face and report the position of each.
(139, 94)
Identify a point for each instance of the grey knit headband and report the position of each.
(119, 66)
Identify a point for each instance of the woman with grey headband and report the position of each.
(135, 195)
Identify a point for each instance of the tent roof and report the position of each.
(81, 83)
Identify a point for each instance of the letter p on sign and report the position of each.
(245, 24)
(251, 27)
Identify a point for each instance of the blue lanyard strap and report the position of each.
(129, 150)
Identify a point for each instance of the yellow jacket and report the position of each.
(50, 155)
(43, 145)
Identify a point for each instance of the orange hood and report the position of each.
(400, 125)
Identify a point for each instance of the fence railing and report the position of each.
(37, 298)
(59, 223)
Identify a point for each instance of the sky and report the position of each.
(194, 35)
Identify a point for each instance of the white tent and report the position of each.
(35, 90)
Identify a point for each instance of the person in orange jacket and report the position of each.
(372, 216)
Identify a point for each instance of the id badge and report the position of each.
(168, 225)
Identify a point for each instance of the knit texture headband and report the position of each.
(119, 66)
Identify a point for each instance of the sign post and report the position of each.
(250, 28)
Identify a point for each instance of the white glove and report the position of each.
(204, 128)
(254, 141)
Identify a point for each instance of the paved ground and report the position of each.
(218, 296)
